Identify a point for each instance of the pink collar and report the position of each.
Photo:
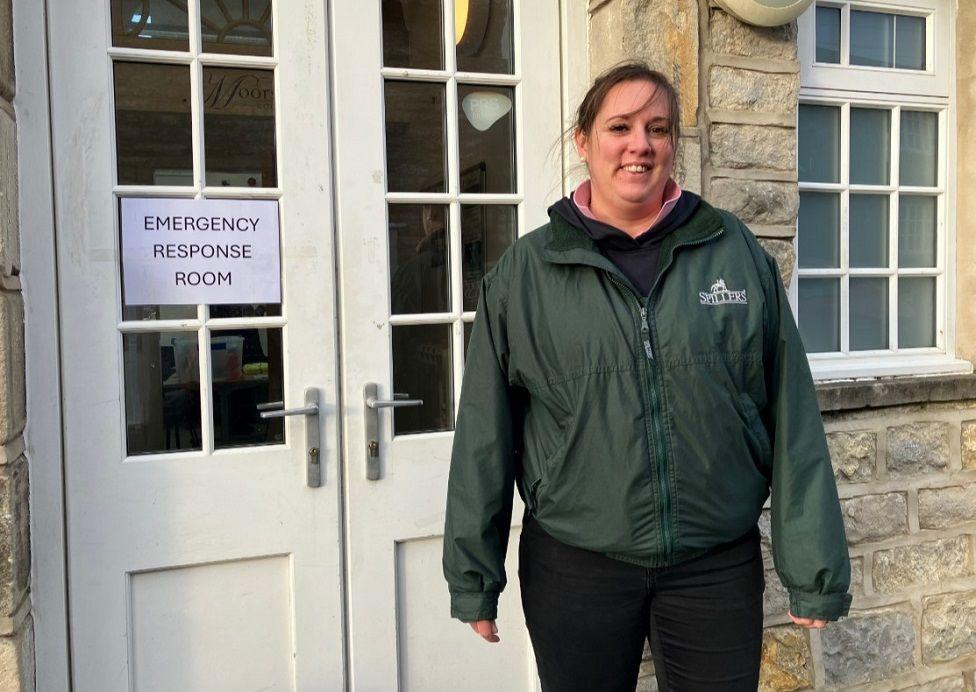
(581, 198)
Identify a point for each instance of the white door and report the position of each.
(200, 556)
(447, 129)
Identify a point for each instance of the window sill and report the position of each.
(913, 388)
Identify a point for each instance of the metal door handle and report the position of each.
(313, 465)
(372, 424)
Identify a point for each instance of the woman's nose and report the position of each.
(639, 141)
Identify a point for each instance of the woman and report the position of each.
(634, 368)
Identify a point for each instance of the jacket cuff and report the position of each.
(830, 606)
(472, 606)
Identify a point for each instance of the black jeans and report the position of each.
(588, 616)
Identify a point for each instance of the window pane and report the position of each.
(918, 160)
(152, 124)
(162, 392)
(819, 312)
(420, 278)
(828, 34)
(246, 370)
(422, 370)
(869, 313)
(239, 127)
(819, 144)
(413, 34)
(910, 42)
(486, 137)
(917, 219)
(872, 39)
(483, 30)
(487, 230)
(157, 24)
(415, 134)
(869, 231)
(916, 312)
(242, 27)
(870, 146)
(818, 230)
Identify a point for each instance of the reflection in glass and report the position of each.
(467, 337)
(872, 39)
(246, 370)
(819, 144)
(239, 127)
(916, 312)
(420, 279)
(869, 231)
(158, 312)
(819, 314)
(422, 370)
(487, 230)
(412, 34)
(910, 42)
(870, 146)
(917, 219)
(416, 158)
(486, 137)
(242, 27)
(919, 152)
(248, 310)
(154, 24)
(152, 124)
(828, 34)
(162, 392)
(869, 313)
(818, 230)
(483, 31)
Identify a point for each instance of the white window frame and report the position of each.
(842, 85)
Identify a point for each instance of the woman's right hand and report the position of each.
(487, 630)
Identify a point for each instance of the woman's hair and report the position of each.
(631, 70)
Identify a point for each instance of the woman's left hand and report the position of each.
(809, 623)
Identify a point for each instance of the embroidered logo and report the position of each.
(721, 295)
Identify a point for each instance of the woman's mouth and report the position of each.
(636, 168)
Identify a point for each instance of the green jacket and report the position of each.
(650, 429)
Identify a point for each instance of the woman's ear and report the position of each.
(579, 139)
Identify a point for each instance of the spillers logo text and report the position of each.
(721, 295)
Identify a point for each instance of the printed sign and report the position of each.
(195, 251)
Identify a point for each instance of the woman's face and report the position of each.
(628, 150)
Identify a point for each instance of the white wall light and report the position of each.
(765, 12)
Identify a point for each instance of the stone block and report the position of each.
(954, 683)
(918, 448)
(753, 146)
(687, 165)
(868, 646)
(941, 508)
(752, 91)
(14, 536)
(787, 663)
(13, 402)
(732, 37)
(853, 455)
(766, 529)
(969, 444)
(948, 626)
(17, 659)
(757, 201)
(923, 563)
(875, 517)
(785, 255)
(664, 33)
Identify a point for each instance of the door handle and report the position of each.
(313, 465)
(372, 420)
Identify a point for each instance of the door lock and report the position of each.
(273, 409)
(372, 424)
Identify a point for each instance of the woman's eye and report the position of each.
(618, 128)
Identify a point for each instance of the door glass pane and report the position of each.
(239, 127)
(910, 42)
(416, 159)
(487, 230)
(819, 313)
(246, 370)
(818, 230)
(162, 392)
(420, 277)
(486, 137)
(413, 34)
(872, 39)
(422, 369)
(152, 124)
(916, 312)
(242, 27)
(869, 231)
(828, 34)
(870, 146)
(819, 144)
(917, 219)
(483, 30)
(918, 160)
(157, 24)
(869, 313)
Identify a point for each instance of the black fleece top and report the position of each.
(638, 258)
